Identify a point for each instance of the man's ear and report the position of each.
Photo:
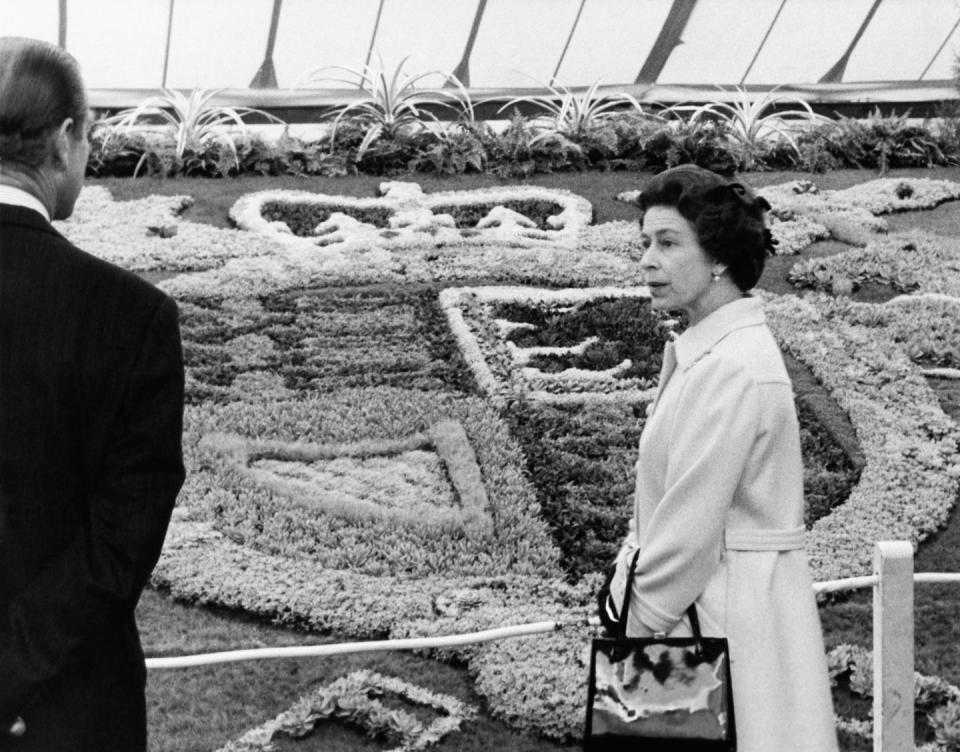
(61, 142)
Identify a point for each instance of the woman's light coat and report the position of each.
(718, 519)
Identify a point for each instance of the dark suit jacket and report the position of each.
(91, 409)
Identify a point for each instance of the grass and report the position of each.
(201, 709)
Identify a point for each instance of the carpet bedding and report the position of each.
(357, 386)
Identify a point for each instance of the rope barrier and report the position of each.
(305, 651)
(851, 583)
(937, 577)
(470, 638)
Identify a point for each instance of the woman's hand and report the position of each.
(618, 585)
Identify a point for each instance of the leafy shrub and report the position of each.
(289, 155)
(456, 149)
(756, 125)
(113, 157)
(705, 144)
(581, 124)
(571, 139)
(876, 142)
(572, 115)
(194, 139)
(392, 108)
(520, 151)
(392, 156)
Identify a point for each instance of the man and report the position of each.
(91, 407)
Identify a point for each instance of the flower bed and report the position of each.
(802, 214)
(354, 698)
(486, 429)
(936, 702)
(912, 472)
(436, 527)
(293, 343)
(479, 319)
(148, 234)
(907, 262)
(404, 217)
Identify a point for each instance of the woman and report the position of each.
(718, 510)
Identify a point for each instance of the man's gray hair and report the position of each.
(40, 87)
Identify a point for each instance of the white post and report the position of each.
(893, 647)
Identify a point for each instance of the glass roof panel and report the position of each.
(211, 47)
(135, 60)
(719, 41)
(222, 43)
(313, 34)
(809, 37)
(941, 67)
(519, 43)
(887, 51)
(432, 32)
(612, 53)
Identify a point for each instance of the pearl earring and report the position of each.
(716, 277)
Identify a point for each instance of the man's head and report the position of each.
(43, 121)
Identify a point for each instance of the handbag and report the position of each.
(659, 694)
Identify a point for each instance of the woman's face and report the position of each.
(677, 270)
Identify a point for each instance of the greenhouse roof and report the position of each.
(828, 47)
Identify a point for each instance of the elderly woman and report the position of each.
(718, 510)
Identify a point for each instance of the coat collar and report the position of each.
(698, 340)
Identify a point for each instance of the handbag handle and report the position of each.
(625, 611)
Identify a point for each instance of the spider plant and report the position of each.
(573, 116)
(753, 123)
(194, 121)
(393, 104)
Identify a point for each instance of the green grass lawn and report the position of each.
(201, 709)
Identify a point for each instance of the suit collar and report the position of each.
(698, 340)
(20, 215)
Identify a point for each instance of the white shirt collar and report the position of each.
(19, 197)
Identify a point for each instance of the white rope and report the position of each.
(305, 651)
(937, 577)
(489, 635)
(856, 583)
(851, 583)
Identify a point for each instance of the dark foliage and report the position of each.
(302, 218)
(366, 346)
(629, 141)
(625, 327)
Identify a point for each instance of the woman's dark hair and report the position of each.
(40, 87)
(727, 217)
